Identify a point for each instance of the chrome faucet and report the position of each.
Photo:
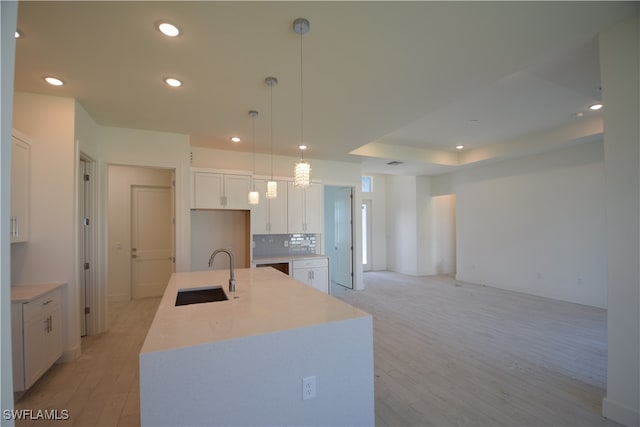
(232, 278)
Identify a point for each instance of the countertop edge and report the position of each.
(28, 292)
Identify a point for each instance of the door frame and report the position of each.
(88, 299)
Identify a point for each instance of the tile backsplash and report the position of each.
(271, 245)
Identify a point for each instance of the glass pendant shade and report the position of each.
(272, 189)
(302, 174)
(254, 197)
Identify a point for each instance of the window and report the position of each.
(367, 184)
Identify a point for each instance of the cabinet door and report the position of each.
(305, 208)
(53, 338)
(236, 191)
(320, 279)
(17, 347)
(35, 331)
(303, 275)
(20, 155)
(260, 212)
(314, 208)
(207, 190)
(295, 209)
(278, 210)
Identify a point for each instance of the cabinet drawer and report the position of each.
(310, 263)
(40, 305)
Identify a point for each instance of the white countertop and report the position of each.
(265, 301)
(27, 293)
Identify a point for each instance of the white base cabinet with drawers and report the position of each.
(36, 337)
(313, 272)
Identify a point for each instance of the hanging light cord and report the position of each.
(271, 129)
(301, 95)
(253, 142)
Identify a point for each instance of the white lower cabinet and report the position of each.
(313, 272)
(37, 337)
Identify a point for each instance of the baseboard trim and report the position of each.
(70, 355)
(620, 413)
(119, 297)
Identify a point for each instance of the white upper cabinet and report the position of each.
(270, 215)
(305, 208)
(220, 191)
(20, 173)
(236, 191)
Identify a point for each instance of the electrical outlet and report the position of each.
(309, 388)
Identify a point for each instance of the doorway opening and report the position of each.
(367, 237)
(338, 220)
(141, 231)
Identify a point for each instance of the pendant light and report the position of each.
(302, 169)
(254, 196)
(302, 172)
(272, 186)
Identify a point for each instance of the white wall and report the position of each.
(378, 214)
(8, 17)
(619, 59)
(49, 122)
(120, 181)
(444, 233)
(420, 228)
(536, 225)
(207, 236)
(134, 147)
(401, 224)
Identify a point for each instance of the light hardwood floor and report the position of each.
(453, 354)
(101, 387)
(446, 354)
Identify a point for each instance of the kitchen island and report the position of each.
(243, 361)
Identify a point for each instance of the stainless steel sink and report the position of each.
(200, 295)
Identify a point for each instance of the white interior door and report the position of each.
(343, 260)
(151, 240)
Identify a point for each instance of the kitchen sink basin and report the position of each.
(200, 295)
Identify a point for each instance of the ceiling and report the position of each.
(383, 81)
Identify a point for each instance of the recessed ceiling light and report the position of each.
(18, 34)
(235, 139)
(595, 107)
(172, 82)
(53, 81)
(168, 29)
(459, 147)
(302, 147)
